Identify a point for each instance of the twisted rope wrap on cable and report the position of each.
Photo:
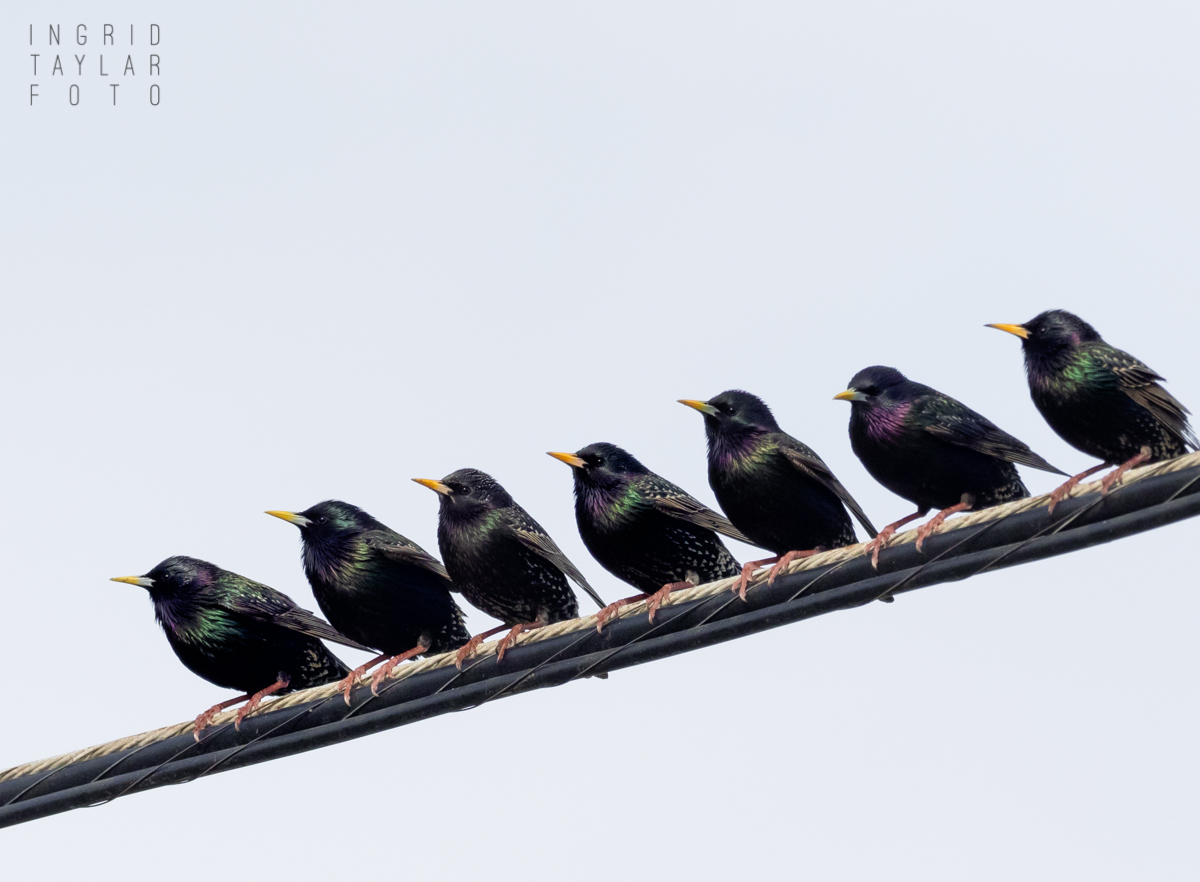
(29, 790)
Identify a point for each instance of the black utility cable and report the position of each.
(950, 556)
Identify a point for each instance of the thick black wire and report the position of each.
(461, 691)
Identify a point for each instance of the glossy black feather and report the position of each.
(642, 528)
(931, 449)
(1099, 399)
(237, 633)
(774, 488)
(376, 586)
(500, 558)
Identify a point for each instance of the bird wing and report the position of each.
(539, 542)
(673, 501)
(263, 604)
(1141, 384)
(805, 459)
(953, 421)
(398, 548)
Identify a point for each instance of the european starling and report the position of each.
(931, 449)
(775, 490)
(376, 587)
(501, 559)
(1099, 399)
(239, 634)
(643, 529)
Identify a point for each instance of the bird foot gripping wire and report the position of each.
(1106, 484)
(660, 597)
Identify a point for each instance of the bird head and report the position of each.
(1050, 332)
(734, 412)
(467, 492)
(602, 465)
(173, 576)
(875, 387)
(327, 519)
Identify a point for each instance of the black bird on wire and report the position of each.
(775, 489)
(501, 559)
(376, 587)
(1099, 399)
(239, 634)
(643, 529)
(932, 450)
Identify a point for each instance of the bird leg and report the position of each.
(473, 644)
(422, 647)
(928, 528)
(257, 697)
(885, 535)
(785, 560)
(1115, 475)
(659, 597)
(512, 635)
(743, 582)
(609, 611)
(348, 682)
(1062, 492)
(205, 719)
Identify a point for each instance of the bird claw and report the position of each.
(777, 570)
(380, 675)
(204, 720)
(743, 581)
(1107, 482)
(507, 641)
(607, 613)
(876, 545)
(660, 597)
(347, 683)
(466, 651)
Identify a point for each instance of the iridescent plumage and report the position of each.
(1099, 399)
(774, 488)
(237, 633)
(642, 528)
(500, 558)
(931, 449)
(374, 585)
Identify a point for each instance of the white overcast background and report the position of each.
(361, 244)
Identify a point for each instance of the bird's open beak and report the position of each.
(702, 406)
(570, 459)
(436, 486)
(850, 395)
(1019, 330)
(140, 581)
(291, 517)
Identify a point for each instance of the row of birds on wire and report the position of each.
(385, 594)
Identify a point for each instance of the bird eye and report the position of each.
(463, 490)
(322, 519)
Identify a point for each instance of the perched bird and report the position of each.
(643, 529)
(775, 490)
(501, 559)
(1099, 399)
(376, 587)
(931, 449)
(239, 634)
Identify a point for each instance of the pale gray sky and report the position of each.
(360, 243)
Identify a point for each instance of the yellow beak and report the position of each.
(570, 459)
(848, 395)
(291, 517)
(1019, 330)
(140, 581)
(702, 406)
(436, 486)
